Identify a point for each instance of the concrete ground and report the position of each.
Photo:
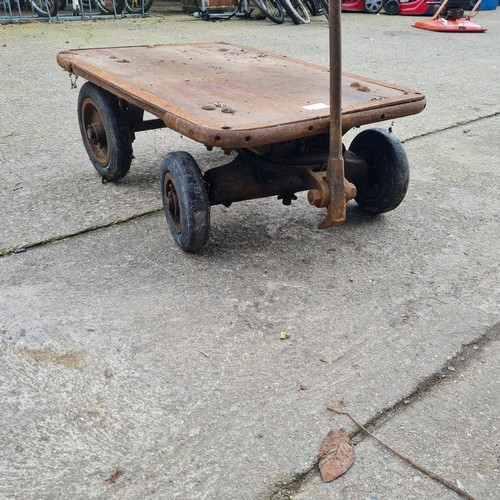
(132, 370)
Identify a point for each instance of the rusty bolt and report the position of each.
(91, 134)
(350, 190)
(314, 197)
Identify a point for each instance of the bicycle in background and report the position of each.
(274, 10)
(116, 7)
(296, 10)
(42, 8)
(138, 6)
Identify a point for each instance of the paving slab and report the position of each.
(452, 431)
(130, 369)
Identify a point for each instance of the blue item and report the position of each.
(488, 5)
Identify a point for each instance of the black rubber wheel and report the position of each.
(324, 7)
(185, 201)
(105, 132)
(45, 8)
(271, 9)
(391, 7)
(373, 6)
(385, 184)
(111, 6)
(312, 7)
(138, 6)
(297, 11)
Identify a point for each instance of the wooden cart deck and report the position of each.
(258, 97)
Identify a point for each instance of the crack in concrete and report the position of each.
(451, 127)
(286, 490)
(451, 370)
(29, 246)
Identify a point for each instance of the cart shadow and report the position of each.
(254, 232)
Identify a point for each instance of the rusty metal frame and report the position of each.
(274, 157)
(79, 62)
(249, 176)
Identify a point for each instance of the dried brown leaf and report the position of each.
(336, 455)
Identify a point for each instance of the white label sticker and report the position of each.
(315, 107)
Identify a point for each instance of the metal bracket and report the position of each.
(320, 195)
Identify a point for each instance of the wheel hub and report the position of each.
(95, 132)
(92, 134)
(373, 6)
(172, 203)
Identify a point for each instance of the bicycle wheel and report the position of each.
(324, 7)
(137, 6)
(271, 9)
(111, 6)
(296, 10)
(312, 7)
(69, 7)
(7, 6)
(45, 8)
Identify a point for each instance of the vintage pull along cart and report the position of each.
(273, 111)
